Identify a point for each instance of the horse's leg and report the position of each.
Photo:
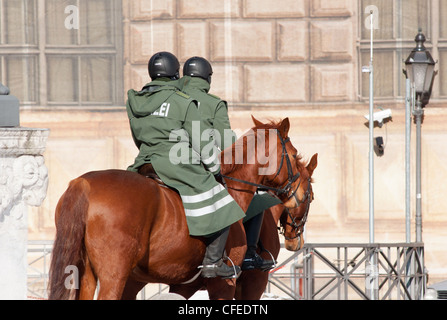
(219, 289)
(112, 263)
(111, 284)
(111, 290)
(132, 288)
(187, 290)
(88, 283)
(251, 285)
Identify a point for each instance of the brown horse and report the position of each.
(124, 230)
(251, 284)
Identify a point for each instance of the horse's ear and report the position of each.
(256, 122)
(312, 164)
(284, 127)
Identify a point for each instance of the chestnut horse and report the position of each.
(251, 284)
(124, 230)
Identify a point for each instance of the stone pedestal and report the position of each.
(23, 183)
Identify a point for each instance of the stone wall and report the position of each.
(271, 59)
(263, 52)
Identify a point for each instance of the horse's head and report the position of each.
(265, 159)
(282, 172)
(293, 220)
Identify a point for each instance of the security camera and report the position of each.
(379, 148)
(380, 116)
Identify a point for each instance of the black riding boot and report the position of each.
(252, 259)
(213, 266)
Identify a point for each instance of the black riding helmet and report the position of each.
(164, 64)
(198, 67)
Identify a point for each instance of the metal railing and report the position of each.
(39, 257)
(316, 272)
(392, 271)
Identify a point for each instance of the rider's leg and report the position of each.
(252, 259)
(213, 266)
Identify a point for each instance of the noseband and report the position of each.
(291, 178)
(298, 227)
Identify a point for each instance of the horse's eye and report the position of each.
(294, 156)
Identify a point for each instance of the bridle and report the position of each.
(298, 227)
(291, 178)
(287, 189)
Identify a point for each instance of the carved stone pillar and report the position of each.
(23, 183)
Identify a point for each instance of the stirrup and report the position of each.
(273, 259)
(256, 262)
(263, 249)
(235, 274)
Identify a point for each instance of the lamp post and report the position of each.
(420, 70)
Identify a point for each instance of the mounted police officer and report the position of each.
(162, 120)
(196, 81)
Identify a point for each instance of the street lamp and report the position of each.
(420, 70)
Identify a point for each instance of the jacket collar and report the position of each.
(196, 83)
(162, 82)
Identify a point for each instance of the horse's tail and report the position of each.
(68, 257)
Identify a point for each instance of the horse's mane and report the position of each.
(300, 164)
(232, 165)
(269, 125)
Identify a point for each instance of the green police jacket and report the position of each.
(169, 132)
(160, 115)
(213, 110)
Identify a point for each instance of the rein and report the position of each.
(291, 178)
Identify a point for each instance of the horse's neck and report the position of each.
(242, 198)
(240, 191)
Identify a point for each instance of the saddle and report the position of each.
(148, 171)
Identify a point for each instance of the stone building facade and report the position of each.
(296, 58)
